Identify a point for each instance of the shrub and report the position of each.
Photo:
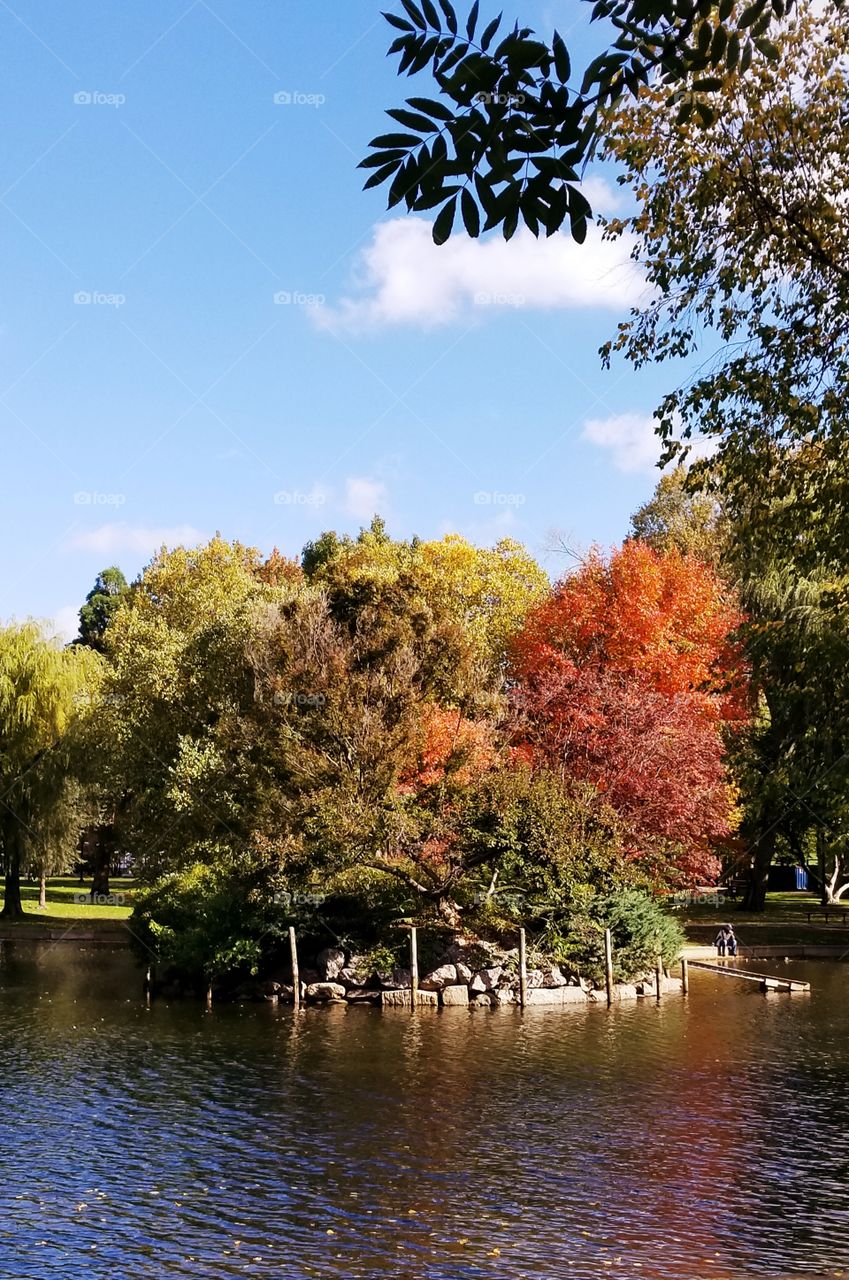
(203, 923)
(640, 930)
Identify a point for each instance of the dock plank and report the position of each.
(767, 981)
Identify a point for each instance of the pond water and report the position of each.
(702, 1138)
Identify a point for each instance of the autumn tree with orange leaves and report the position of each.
(627, 677)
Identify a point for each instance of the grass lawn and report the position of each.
(62, 907)
(784, 921)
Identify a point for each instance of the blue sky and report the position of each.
(207, 325)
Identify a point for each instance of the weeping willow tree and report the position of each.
(64, 810)
(45, 692)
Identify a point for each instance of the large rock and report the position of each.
(444, 976)
(401, 978)
(352, 978)
(536, 977)
(625, 991)
(357, 995)
(555, 977)
(323, 991)
(481, 1001)
(486, 979)
(504, 995)
(403, 998)
(464, 973)
(330, 962)
(455, 995)
(556, 996)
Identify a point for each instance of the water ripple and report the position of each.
(702, 1139)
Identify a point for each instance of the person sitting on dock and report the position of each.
(726, 941)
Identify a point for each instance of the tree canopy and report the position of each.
(100, 606)
(45, 691)
(360, 730)
(626, 678)
(513, 126)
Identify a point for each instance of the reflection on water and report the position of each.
(703, 1138)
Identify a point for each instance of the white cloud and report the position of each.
(603, 197)
(66, 622)
(404, 278)
(364, 497)
(110, 538)
(629, 437)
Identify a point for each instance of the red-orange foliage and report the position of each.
(625, 677)
(449, 743)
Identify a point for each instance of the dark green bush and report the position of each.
(640, 930)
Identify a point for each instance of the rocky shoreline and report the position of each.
(472, 976)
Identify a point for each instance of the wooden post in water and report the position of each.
(296, 976)
(414, 967)
(209, 998)
(523, 971)
(608, 965)
(658, 974)
(685, 975)
(148, 984)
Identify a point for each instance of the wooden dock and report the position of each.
(767, 981)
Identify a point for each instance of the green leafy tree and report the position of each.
(741, 232)
(203, 925)
(100, 605)
(485, 592)
(538, 847)
(177, 684)
(677, 517)
(45, 691)
(640, 932)
(64, 807)
(344, 682)
(793, 765)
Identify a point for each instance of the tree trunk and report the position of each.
(833, 881)
(449, 912)
(754, 898)
(824, 895)
(13, 907)
(42, 892)
(101, 846)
